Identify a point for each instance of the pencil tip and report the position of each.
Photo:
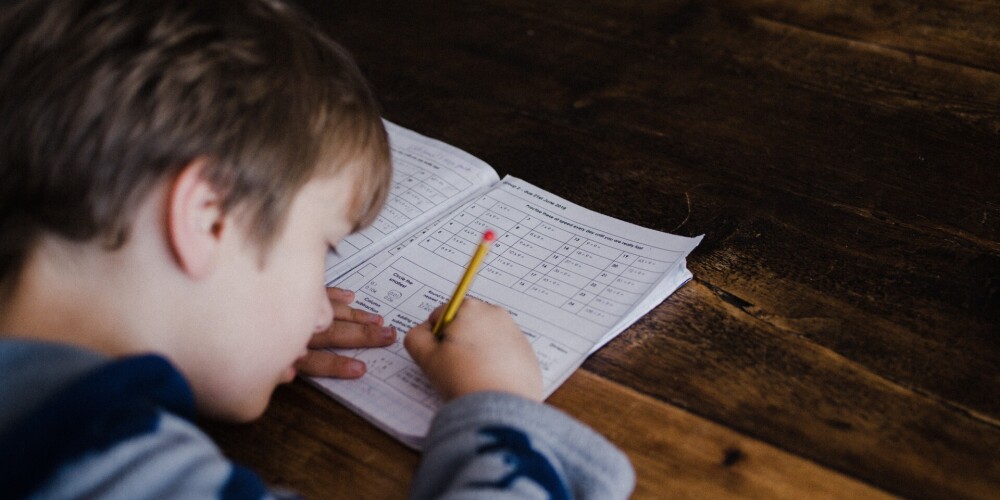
(489, 235)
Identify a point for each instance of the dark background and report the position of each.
(842, 160)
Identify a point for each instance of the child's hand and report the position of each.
(482, 350)
(350, 328)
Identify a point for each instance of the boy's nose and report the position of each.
(325, 314)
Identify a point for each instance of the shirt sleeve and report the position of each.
(499, 445)
(174, 461)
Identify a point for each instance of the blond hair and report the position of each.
(103, 100)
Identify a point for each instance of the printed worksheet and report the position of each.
(572, 279)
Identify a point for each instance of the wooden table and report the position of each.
(841, 337)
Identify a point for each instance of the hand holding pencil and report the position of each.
(484, 350)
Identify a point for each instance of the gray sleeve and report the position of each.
(499, 445)
(176, 461)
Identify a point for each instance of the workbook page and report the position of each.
(569, 276)
(428, 178)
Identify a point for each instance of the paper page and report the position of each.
(572, 279)
(428, 178)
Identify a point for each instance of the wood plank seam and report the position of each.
(912, 55)
(734, 452)
(746, 307)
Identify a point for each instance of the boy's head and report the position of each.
(103, 100)
(110, 107)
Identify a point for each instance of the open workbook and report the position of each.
(572, 278)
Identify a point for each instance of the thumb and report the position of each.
(436, 314)
(419, 342)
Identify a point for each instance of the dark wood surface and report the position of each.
(841, 337)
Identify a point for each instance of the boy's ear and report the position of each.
(194, 220)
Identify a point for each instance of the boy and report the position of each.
(173, 174)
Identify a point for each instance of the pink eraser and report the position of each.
(489, 235)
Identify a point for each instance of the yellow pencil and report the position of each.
(463, 284)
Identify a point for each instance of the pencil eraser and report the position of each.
(489, 235)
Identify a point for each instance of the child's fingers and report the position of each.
(327, 364)
(467, 303)
(420, 342)
(342, 334)
(436, 314)
(340, 295)
(343, 312)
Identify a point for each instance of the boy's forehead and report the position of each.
(340, 196)
(362, 184)
(363, 164)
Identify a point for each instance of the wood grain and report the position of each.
(691, 457)
(841, 159)
(696, 457)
